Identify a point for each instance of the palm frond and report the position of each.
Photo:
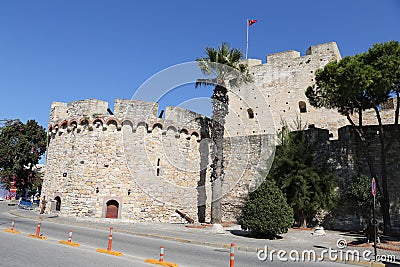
(234, 56)
(206, 82)
(212, 54)
(224, 64)
(204, 65)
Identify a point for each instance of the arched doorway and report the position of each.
(58, 203)
(112, 209)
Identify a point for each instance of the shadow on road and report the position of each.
(248, 234)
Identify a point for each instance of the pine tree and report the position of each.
(307, 185)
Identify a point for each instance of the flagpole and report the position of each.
(247, 37)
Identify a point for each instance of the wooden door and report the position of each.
(112, 209)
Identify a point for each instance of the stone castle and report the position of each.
(131, 163)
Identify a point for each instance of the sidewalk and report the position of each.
(298, 240)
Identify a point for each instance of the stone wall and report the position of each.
(345, 156)
(247, 161)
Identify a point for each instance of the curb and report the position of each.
(362, 263)
(381, 246)
(182, 240)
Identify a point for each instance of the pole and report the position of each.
(110, 240)
(232, 256)
(70, 236)
(38, 229)
(12, 226)
(247, 37)
(374, 223)
(161, 254)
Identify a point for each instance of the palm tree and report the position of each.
(221, 65)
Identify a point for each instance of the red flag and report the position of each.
(251, 21)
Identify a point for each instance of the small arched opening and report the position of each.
(112, 122)
(64, 124)
(58, 203)
(98, 123)
(112, 209)
(84, 122)
(250, 113)
(302, 107)
(184, 131)
(158, 125)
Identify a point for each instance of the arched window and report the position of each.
(302, 107)
(250, 113)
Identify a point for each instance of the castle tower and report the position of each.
(129, 164)
(278, 91)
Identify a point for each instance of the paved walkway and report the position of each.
(298, 240)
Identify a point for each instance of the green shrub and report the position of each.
(267, 213)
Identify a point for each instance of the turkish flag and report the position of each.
(251, 21)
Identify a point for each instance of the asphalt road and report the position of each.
(21, 250)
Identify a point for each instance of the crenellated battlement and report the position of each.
(92, 114)
(322, 51)
(326, 49)
(81, 108)
(282, 57)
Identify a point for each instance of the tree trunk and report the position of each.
(364, 147)
(220, 110)
(303, 219)
(201, 184)
(385, 202)
(216, 213)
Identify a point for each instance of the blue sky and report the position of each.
(69, 50)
